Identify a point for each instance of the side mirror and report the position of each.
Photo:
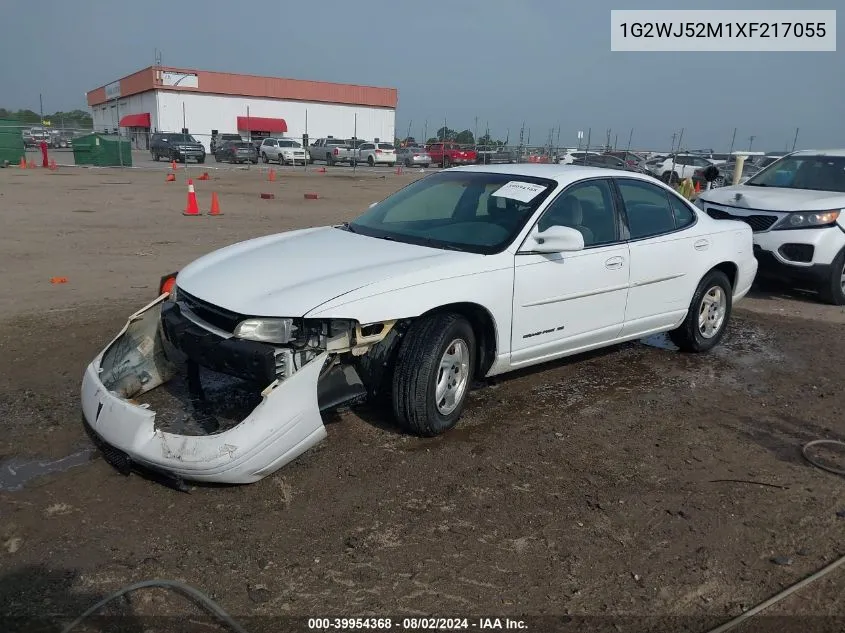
(557, 239)
(372, 204)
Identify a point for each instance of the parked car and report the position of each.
(332, 150)
(631, 159)
(795, 207)
(236, 152)
(284, 150)
(726, 172)
(176, 146)
(487, 155)
(468, 273)
(570, 157)
(217, 139)
(680, 166)
(448, 154)
(376, 154)
(608, 162)
(413, 156)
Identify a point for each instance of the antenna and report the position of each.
(157, 57)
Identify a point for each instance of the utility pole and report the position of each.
(795, 140)
(41, 108)
(615, 142)
(587, 151)
(751, 141)
(630, 137)
(733, 140)
(674, 136)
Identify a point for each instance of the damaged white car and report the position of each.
(461, 275)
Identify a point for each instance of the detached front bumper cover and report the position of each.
(285, 424)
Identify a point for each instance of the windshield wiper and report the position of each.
(756, 184)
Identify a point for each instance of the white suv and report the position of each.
(377, 153)
(681, 166)
(796, 208)
(284, 150)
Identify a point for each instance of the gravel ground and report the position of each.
(633, 483)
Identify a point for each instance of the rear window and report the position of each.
(385, 146)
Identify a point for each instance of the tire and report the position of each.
(329, 160)
(832, 291)
(264, 157)
(200, 161)
(371, 161)
(155, 156)
(425, 166)
(407, 162)
(447, 163)
(417, 369)
(689, 337)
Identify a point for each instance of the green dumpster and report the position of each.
(102, 150)
(11, 142)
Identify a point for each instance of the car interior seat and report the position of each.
(567, 212)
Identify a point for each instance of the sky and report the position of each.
(544, 63)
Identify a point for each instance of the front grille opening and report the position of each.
(221, 318)
(757, 223)
(797, 252)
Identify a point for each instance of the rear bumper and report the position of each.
(285, 424)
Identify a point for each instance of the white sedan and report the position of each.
(464, 274)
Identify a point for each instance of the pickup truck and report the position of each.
(493, 155)
(448, 154)
(332, 150)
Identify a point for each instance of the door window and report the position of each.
(587, 207)
(648, 209)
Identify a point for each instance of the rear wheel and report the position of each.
(433, 373)
(708, 314)
(329, 160)
(371, 161)
(264, 157)
(833, 290)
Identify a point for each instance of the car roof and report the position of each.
(819, 152)
(564, 174)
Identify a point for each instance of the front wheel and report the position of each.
(264, 157)
(371, 161)
(201, 160)
(833, 290)
(708, 315)
(433, 373)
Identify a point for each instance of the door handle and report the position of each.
(702, 245)
(614, 263)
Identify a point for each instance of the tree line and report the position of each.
(72, 119)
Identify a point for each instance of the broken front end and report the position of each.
(196, 392)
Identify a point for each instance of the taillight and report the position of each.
(165, 285)
(416, 155)
(336, 151)
(378, 151)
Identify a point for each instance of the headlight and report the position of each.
(699, 203)
(808, 220)
(266, 330)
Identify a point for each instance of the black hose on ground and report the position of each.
(194, 594)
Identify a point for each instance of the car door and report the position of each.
(564, 302)
(665, 253)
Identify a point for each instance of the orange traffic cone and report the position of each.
(23, 163)
(215, 205)
(272, 175)
(173, 165)
(204, 176)
(192, 207)
(32, 164)
(170, 178)
(697, 187)
(399, 170)
(53, 166)
(322, 170)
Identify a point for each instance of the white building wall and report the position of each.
(107, 115)
(204, 112)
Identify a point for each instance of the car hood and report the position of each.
(290, 274)
(775, 198)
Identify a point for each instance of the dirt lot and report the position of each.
(597, 486)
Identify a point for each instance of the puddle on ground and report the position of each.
(16, 472)
(660, 341)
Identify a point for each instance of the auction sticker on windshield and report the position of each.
(522, 191)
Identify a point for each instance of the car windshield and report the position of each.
(181, 138)
(289, 144)
(476, 212)
(816, 173)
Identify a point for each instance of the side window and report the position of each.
(587, 207)
(648, 209)
(684, 216)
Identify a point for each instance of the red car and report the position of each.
(448, 154)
